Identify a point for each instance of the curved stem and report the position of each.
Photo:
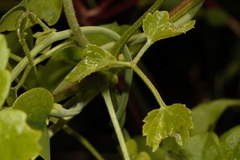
(24, 76)
(142, 51)
(49, 53)
(107, 98)
(149, 84)
(73, 23)
(48, 40)
(57, 36)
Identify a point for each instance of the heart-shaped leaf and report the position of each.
(17, 139)
(94, 59)
(170, 121)
(157, 26)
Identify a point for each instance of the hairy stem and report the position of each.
(73, 23)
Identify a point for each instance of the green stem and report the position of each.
(73, 23)
(21, 27)
(24, 76)
(184, 11)
(83, 141)
(131, 30)
(58, 48)
(149, 84)
(34, 18)
(53, 37)
(15, 57)
(57, 36)
(107, 97)
(142, 51)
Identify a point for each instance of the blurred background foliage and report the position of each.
(199, 66)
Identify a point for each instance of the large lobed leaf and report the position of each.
(169, 121)
(17, 139)
(94, 59)
(157, 26)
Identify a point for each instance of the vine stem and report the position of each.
(142, 51)
(73, 23)
(149, 84)
(107, 98)
(57, 36)
(126, 35)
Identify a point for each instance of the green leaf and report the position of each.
(209, 146)
(94, 59)
(4, 52)
(202, 146)
(5, 84)
(44, 142)
(49, 11)
(37, 103)
(210, 112)
(230, 144)
(8, 21)
(5, 80)
(169, 121)
(157, 26)
(17, 139)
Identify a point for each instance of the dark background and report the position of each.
(192, 68)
